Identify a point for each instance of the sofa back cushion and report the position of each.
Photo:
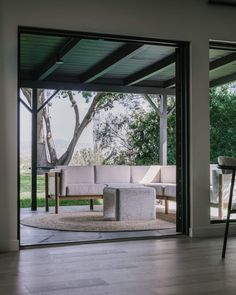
(145, 174)
(112, 174)
(79, 174)
(168, 174)
(138, 173)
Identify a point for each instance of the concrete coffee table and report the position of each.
(129, 203)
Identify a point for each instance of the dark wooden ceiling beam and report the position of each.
(58, 85)
(150, 70)
(223, 2)
(116, 57)
(169, 83)
(223, 80)
(215, 64)
(54, 61)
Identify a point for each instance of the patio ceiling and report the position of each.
(59, 62)
(95, 64)
(222, 66)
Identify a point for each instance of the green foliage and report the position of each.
(108, 99)
(111, 137)
(26, 202)
(145, 137)
(25, 183)
(133, 137)
(222, 122)
(171, 139)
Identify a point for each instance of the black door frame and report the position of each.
(182, 140)
(229, 46)
(182, 114)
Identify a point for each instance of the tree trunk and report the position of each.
(43, 115)
(79, 128)
(49, 137)
(41, 145)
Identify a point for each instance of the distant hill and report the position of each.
(61, 145)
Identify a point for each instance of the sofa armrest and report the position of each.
(53, 182)
(220, 186)
(216, 185)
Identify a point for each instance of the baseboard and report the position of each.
(213, 230)
(9, 245)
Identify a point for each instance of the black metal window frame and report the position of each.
(229, 46)
(182, 113)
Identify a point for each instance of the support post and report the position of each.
(221, 205)
(163, 130)
(56, 193)
(46, 192)
(91, 204)
(228, 213)
(34, 150)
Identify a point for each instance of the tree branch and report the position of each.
(171, 111)
(101, 105)
(153, 105)
(66, 157)
(49, 137)
(76, 110)
(28, 95)
(115, 134)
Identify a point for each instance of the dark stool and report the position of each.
(230, 209)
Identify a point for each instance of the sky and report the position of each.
(62, 123)
(62, 118)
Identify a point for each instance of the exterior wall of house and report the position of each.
(187, 20)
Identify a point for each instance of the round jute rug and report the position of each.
(94, 221)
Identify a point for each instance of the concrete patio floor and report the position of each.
(34, 236)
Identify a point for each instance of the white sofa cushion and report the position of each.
(152, 175)
(215, 175)
(213, 167)
(168, 174)
(79, 174)
(112, 174)
(169, 189)
(124, 185)
(76, 175)
(84, 189)
(138, 173)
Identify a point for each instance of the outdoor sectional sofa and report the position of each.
(88, 182)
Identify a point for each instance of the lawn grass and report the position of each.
(25, 195)
(25, 183)
(26, 202)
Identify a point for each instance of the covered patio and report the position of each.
(85, 63)
(59, 61)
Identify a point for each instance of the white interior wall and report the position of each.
(187, 20)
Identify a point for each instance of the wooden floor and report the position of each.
(166, 266)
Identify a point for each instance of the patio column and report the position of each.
(34, 150)
(163, 130)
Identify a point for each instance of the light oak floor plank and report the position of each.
(168, 266)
